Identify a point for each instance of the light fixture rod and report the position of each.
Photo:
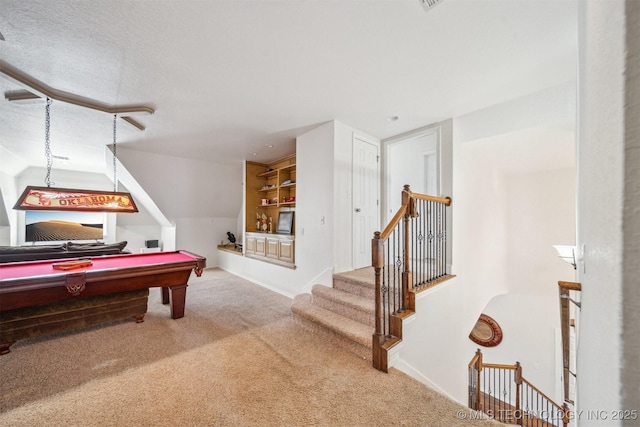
(22, 96)
(44, 91)
(115, 144)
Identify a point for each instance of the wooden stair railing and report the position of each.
(501, 392)
(408, 256)
(565, 289)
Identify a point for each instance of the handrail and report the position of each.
(394, 222)
(537, 390)
(571, 286)
(509, 397)
(409, 254)
(499, 366)
(476, 359)
(444, 200)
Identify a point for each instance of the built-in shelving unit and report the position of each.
(271, 189)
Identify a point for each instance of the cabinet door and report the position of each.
(250, 245)
(272, 248)
(260, 247)
(286, 248)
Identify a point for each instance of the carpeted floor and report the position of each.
(235, 359)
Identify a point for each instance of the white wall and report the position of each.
(203, 235)
(487, 151)
(404, 162)
(530, 324)
(314, 240)
(436, 344)
(540, 213)
(314, 201)
(343, 249)
(201, 200)
(608, 206)
(7, 214)
(324, 189)
(135, 235)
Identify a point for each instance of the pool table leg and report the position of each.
(165, 295)
(177, 300)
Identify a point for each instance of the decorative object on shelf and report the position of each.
(270, 225)
(285, 222)
(65, 199)
(258, 222)
(264, 222)
(486, 332)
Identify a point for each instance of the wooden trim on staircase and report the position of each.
(390, 312)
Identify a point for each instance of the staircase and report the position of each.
(343, 314)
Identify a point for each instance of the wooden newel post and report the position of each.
(565, 416)
(407, 277)
(518, 381)
(377, 262)
(479, 370)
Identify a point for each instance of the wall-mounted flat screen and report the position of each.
(285, 222)
(63, 226)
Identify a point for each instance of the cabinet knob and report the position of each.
(357, 209)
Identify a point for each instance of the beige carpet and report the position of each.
(235, 359)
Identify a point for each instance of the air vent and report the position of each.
(430, 4)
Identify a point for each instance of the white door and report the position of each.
(365, 200)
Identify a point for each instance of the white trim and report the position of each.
(257, 282)
(317, 281)
(434, 128)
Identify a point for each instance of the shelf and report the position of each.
(275, 205)
(268, 173)
(273, 182)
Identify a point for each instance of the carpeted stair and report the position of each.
(344, 314)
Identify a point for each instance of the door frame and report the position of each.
(399, 139)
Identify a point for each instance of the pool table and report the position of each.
(25, 284)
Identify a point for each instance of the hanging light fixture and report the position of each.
(65, 199)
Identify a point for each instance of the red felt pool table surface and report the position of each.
(24, 284)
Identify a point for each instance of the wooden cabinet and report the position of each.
(270, 189)
(285, 250)
(274, 248)
(271, 247)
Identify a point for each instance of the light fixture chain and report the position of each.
(47, 141)
(115, 178)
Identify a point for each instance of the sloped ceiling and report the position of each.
(229, 78)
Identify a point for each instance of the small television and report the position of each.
(285, 222)
(63, 226)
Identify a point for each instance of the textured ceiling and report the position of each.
(228, 78)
